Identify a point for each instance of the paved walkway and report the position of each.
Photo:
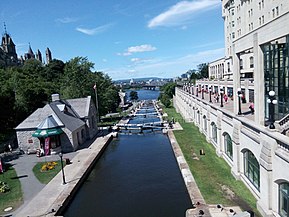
(229, 105)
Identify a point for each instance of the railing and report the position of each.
(283, 124)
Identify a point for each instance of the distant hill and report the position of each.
(139, 79)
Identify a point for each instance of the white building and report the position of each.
(257, 62)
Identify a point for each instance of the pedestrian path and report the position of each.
(229, 105)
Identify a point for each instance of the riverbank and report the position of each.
(51, 200)
(211, 173)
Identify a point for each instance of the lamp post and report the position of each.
(210, 90)
(61, 161)
(272, 101)
(239, 93)
(222, 93)
(202, 91)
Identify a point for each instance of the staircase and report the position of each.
(283, 125)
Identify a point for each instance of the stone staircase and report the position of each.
(283, 125)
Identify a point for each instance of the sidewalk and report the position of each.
(229, 105)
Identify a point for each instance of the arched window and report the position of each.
(228, 64)
(214, 132)
(241, 64)
(251, 62)
(284, 199)
(205, 123)
(252, 168)
(228, 145)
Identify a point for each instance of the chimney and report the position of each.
(55, 97)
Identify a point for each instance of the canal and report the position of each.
(137, 175)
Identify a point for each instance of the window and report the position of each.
(284, 199)
(228, 145)
(251, 62)
(277, 11)
(273, 12)
(241, 64)
(252, 168)
(233, 23)
(214, 132)
(263, 20)
(233, 12)
(233, 35)
(228, 64)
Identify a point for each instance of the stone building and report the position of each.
(67, 123)
(8, 55)
(256, 67)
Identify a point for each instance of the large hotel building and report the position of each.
(255, 69)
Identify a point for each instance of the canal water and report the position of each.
(137, 176)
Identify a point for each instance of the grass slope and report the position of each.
(212, 173)
(14, 197)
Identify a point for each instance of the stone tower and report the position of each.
(8, 47)
(29, 54)
(48, 56)
(39, 55)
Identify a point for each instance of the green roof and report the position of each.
(47, 132)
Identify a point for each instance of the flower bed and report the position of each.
(48, 166)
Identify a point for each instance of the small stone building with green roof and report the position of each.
(67, 123)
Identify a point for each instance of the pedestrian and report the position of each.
(251, 107)
(225, 98)
(217, 98)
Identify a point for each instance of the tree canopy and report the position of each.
(133, 95)
(25, 88)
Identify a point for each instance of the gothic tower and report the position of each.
(48, 56)
(39, 55)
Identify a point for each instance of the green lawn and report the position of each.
(212, 173)
(14, 197)
(46, 176)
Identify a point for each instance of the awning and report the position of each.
(47, 132)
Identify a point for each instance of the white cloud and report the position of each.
(166, 67)
(141, 48)
(182, 12)
(94, 31)
(138, 49)
(135, 59)
(67, 20)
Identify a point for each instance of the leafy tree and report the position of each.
(165, 99)
(203, 70)
(75, 80)
(169, 89)
(133, 95)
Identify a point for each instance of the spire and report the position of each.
(5, 29)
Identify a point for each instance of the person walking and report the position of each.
(251, 107)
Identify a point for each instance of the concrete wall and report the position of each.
(270, 148)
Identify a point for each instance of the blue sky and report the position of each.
(123, 38)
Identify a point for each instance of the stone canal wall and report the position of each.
(51, 201)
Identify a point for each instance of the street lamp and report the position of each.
(222, 93)
(61, 161)
(272, 101)
(239, 93)
(210, 89)
(202, 91)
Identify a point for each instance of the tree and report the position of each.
(75, 80)
(203, 70)
(133, 95)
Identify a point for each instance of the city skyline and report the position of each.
(123, 39)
